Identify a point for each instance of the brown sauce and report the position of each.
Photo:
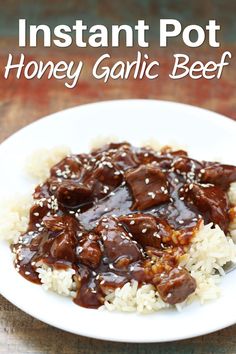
(122, 213)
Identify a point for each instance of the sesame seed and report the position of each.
(156, 235)
(147, 180)
(152, 195)
(79, 249)
(105, 189)
(144, 231)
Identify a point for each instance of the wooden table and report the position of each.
(22, 102)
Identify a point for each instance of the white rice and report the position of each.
(59, 281)
(150, 143)
(232, 228)
(14, 212)
(14, 217)
(232, 193)
(102, 140)
(39, 163)
(210, 250)
(208, 253)
(130, 298)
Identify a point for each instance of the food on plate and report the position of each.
(130, 228)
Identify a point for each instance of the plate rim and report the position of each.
(221, 118)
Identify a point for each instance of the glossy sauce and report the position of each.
(123, 213)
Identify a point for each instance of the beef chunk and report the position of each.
(103, 179)
(123, 155)
(70, 166)
(88, 251)
(185, 165)
(62, 244)
(125, 159)
(73, 194)
(210, 200)
(147, 230)
(179, 153)
(148, 185)
(117, 243)
(111, 147)
(220, 175)
(176, 286)
(163, 158)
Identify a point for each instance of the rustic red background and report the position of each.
(23, 101)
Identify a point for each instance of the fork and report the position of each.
(229, 267)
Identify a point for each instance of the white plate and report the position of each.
(207, 135)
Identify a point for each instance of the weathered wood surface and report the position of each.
(22, 102)
(20, 333)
